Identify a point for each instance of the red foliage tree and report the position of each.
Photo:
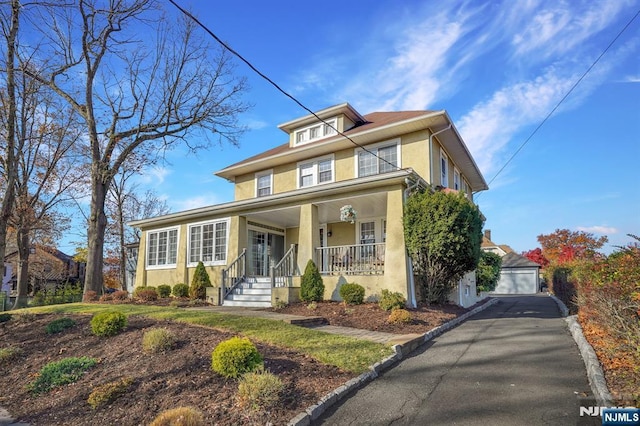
(564, 245)
(536, 255)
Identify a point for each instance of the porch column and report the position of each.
(395, 265)
(309, 235)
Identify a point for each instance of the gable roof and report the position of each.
(375, 127)
(514, 260)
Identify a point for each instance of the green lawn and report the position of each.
(347, 353)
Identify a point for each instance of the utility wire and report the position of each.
(563, 98)
(274, 84)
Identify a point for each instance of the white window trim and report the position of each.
(306, 131)
(262, 174)
(146, 250)
(444, 180)
(226, 220)
(316, 173)
(378, 226)
(456, 172)
(375, 147)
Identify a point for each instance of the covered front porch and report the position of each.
(278, 242)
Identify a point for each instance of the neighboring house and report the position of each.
(293, 203)
(490, 246)
(48, 267)
(518, 275)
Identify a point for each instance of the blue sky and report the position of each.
(497, 67)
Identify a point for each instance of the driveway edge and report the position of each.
(401, 350)
(595, 374)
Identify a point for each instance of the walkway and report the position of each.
(514, 363)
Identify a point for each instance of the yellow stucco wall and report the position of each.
(415, 152)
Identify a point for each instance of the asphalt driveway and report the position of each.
(513, 364)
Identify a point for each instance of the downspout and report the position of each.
(431, 151)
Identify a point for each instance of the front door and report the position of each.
(265, 250)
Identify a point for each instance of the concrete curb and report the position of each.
(312, 413)
(594, 370)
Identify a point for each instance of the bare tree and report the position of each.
(10, 25)
(50, 171)
(125, 203)
(141, 82)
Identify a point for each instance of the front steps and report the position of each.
(254, 292)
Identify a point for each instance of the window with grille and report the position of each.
(162, 248)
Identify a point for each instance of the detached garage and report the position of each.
(518, 275)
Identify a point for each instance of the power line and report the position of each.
(274, 84)
(563, 98)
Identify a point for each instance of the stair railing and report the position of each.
(283, 271)
(234, 274)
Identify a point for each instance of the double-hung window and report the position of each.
(456, 179)
(315, 172)
(444, 169)
(162, 248)
(378, 159)
(264, 183)
(208, 242)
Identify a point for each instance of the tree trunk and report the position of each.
(94, 279)
(22, 297)
(10, 160)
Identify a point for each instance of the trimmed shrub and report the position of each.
(234, 357)
(90, 296)
(399, 316)
(390, 301)
(164, 290)
(58, 373)
(109, 392)
(9, 354)
(4, 317)
(59, 325)
(180, 290)
(352, 293)
(146, 293)
(259, 390)
(199, 282)
(121, 295)
(182, 416)
(158, 340)
(311, 286)
(108, 323)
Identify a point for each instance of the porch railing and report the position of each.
(283, 272)
(358, 259)
(234, 274)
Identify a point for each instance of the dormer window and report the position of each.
(316, 131)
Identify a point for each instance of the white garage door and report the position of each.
(517, 281)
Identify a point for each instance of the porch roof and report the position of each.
(285, 204)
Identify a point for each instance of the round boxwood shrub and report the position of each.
(391, 300)
(108, 323)
(164, 290)
(180, 290)
(398, 316)
(234, 357)
(184, 416)
(352, 293)
(311, 285)
(59, 325)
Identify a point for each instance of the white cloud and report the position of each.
(632, 79)
(490, 125)
(256, 124)
(598, 229)
(154, 176)
(196, 202)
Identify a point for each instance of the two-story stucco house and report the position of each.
(288, 204)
